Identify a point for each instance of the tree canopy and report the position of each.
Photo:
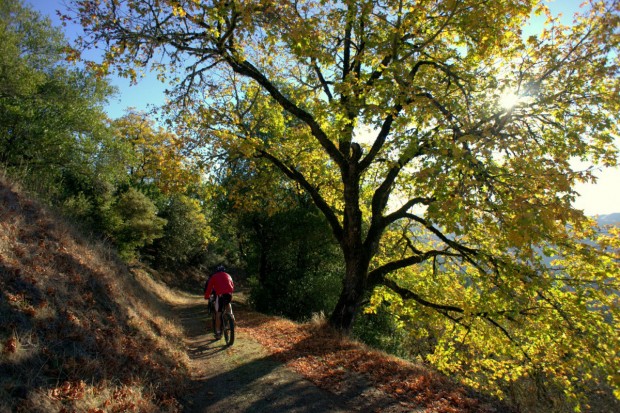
(435, 138)
(49, 112)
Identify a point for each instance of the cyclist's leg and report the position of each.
(226, 300)
(218, 316)
(218, 322)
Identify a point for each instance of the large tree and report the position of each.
(432, 134)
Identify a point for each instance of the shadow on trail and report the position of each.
(205, 349)
(197, 325)
(244, 377)
(263, 385)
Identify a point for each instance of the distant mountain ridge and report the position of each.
(608, 219)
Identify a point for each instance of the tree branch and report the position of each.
(316, 196)
(247, 69)
(324, 83)
(445, 309)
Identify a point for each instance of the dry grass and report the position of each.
(79, 330)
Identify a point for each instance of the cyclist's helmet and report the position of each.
(220, 268)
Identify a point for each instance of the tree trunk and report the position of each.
(344, 314)
(352, 295)
(356, 259)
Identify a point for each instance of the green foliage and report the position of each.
(295, 263)
(297, 296)
(558, 339)
(382, 331)
(133, 222)
(56, 137)
(158, 158)
(29, 48)
(50, 114)
(278, 236)
(186, 233)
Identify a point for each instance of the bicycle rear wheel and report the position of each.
(228, 327)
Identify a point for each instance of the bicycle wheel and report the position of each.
(228, 327)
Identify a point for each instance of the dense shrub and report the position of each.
(296, 265)
(185, 234)
(134, 222)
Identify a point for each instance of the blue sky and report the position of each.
(601, 198)
(149, 91)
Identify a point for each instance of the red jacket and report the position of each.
(221, 283)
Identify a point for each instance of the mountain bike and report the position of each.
(227, 322)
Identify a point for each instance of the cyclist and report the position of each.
(221, 283)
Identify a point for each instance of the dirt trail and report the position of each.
(243, 378)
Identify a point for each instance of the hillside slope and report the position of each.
(79, 331)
